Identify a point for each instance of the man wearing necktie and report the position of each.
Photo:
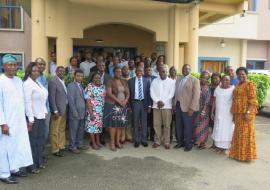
(76, 112)
(140, 104)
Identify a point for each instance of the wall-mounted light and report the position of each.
(243, 14)
(222, 43)
(99, 40)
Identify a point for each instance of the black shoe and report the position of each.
(19, 174)
(102, 142)
(9, 180)
(178, 146)
(145, 144)
(59, 154)
(63, 149)
(136, 145)
(187, 149)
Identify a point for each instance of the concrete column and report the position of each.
(267, 65)
(172, 46)
(64, 43)
(244, 53)
(192, 47)
(39, 39)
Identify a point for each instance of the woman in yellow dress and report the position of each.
(244, 109)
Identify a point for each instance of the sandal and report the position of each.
(202, 146)
(119, 146)
(112, 147)
(95, 147)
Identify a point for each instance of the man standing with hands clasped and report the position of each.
(186, 102)
(162, 92)
(58, 102)
(15, 151)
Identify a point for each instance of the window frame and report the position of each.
(13, 52)
(22, 18)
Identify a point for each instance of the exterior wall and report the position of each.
(82, 16)
(12, 41)
(118, 36)
(210, 47)
(263, 20)
(233, 27)
(257, 50)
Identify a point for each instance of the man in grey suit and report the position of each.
(186, 102)
(140, 101)
(104, 77)
(58, 105)
(76, 112)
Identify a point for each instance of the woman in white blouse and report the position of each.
(35, 96)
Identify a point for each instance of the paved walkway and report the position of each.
(157, 169)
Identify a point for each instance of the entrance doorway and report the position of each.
(132, 51)
(213, 66)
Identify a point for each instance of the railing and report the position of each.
(11, 17)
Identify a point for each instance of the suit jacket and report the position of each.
(106, 77)
(76, 101)
(146, 91)
(57, 96)
(189, 95)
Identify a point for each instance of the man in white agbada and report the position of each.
(15, 151)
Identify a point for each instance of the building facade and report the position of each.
(145, 25)
(240, 40)
(170, 27)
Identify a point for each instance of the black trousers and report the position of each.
(37, 141)
(184, 127)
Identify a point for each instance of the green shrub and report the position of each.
(262, 83)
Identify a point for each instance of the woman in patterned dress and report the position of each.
(95, 94)
(202, 118)
(115, 109)
(244, 109)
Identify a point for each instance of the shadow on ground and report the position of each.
(89, 171)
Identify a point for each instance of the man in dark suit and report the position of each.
(58, 105)
(140, 104)
(76, 112)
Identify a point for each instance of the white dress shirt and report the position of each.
(63, 83)
(162, 90)
(52, 68)
(136, 94)
(86, 66)
(35, 97)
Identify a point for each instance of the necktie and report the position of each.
(140, 89)
(81, 88)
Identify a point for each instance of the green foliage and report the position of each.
(262, 83)
(20, 73)
(70, 78)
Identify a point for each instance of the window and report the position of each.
(11, 15)
(255, 64)
(20, 60)
(252, 5)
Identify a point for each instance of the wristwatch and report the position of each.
(248, 112)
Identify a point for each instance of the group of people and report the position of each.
(125, 100)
